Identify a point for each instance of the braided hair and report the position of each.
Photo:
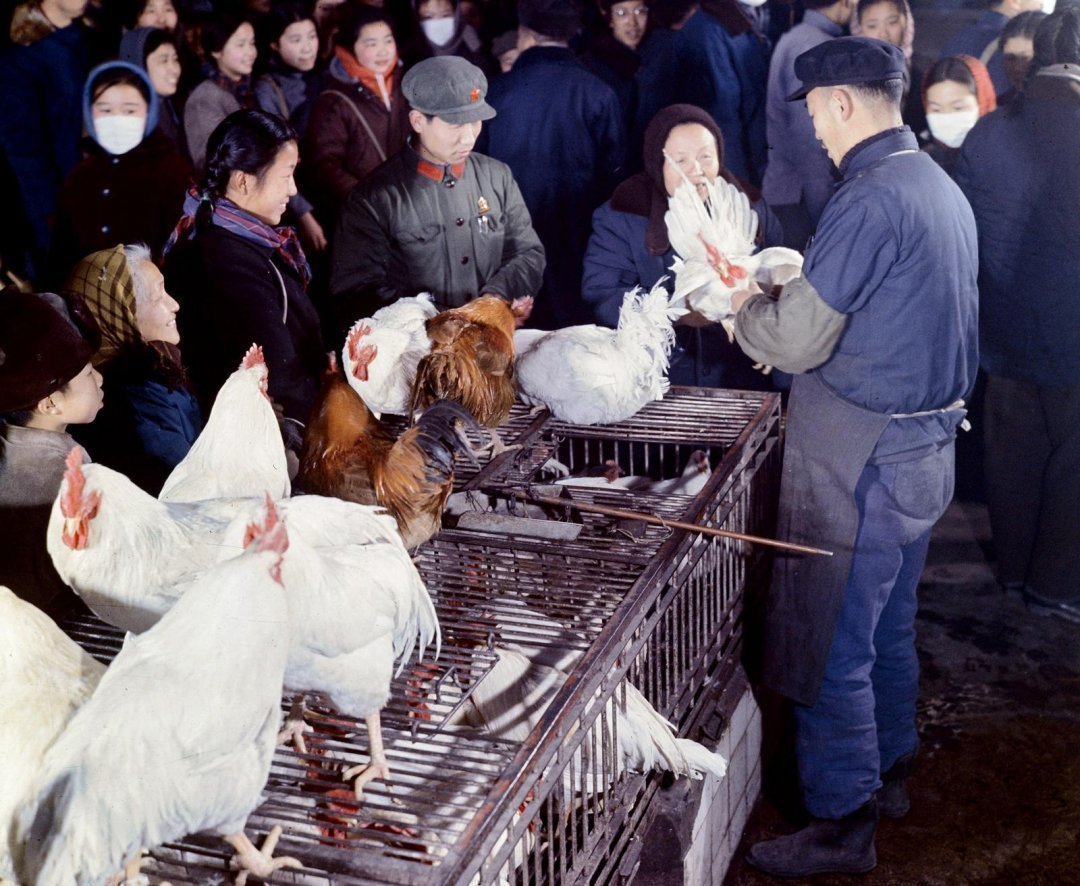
(246, 141)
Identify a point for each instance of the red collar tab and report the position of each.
(438, 173)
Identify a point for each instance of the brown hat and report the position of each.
(41, 350)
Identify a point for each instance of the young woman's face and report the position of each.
(267, 196)
(949, 96)
(155, 312)
(119, 100)
(426, 9)
(628, 20)
(375, 47)
(163, 68)
(691, 152)
(158, 14)
(298, 45)
(237, 56)
(1016, 57)
(884, 21)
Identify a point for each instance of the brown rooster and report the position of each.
(471, 361)
(350, 454)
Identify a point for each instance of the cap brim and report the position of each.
(800, 93)
(479, 110)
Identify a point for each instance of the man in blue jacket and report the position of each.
(798, 176)
(560, 130)
(882, 331)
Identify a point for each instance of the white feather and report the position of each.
(44, 678)
(594, 375)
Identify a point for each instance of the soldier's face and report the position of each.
(444, 143)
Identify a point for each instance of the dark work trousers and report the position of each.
(1033, 485)
(864, 718)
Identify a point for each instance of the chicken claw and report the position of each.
(376, 767)
(295, 727)
(259, 862)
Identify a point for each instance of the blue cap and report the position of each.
(847, 61)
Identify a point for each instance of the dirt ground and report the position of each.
(995, 798)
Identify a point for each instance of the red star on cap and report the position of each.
(474, 96)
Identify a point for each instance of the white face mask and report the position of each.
(951, 129)
(119, 133)
(439, 30)
(753, 3)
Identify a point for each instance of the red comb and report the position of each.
(254, 357)
(352, 341)
(76, 482)
(255, 530)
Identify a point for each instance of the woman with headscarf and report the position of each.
(131, 183)
(956, 91)
(630, 246)
(151, 417)
(892, 21)
(240, 276)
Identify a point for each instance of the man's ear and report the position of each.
(416, 120)
(845, 100)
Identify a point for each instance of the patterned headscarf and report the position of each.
(103, 280)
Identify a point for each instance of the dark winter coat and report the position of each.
(41, 113)
(126, 198)
(413, 227)
(560, 130)
(232, 293)
(1019, 170)
(724, 68)
(146, 426)
(799, 170)
(976, 38)
(617, 260)
(339, 150)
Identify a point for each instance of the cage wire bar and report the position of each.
(659, 608)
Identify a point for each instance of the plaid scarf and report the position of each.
(231, 217)
(242, 90)
(104, 284)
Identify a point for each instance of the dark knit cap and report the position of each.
(847, 61)
(557, 19)
(41, 350)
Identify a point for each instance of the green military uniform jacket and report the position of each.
(456, 232)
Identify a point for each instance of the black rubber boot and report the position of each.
(825, 846)
(893, 799)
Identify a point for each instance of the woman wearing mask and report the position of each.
(238, 274)
(228, 42)
(156, 52)
(151, 418)
(360, 118)
(443, 32)
(630, 247)
(289, 87)
(892, 21)
(957, 91)
(130, 186)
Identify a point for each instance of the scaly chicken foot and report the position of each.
(295, 726)
(377, 767)
(131, 875)
(259, 862)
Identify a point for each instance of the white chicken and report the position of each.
(593, 375)
(609, 476)
(100, 519)
(511, 698)
(714, 246)
(44, 678)
(240, 452)
(178, 736)
(353, 611)
(381, 353)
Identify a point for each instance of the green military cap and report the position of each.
(448, 87)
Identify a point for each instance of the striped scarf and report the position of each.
(227, 215)
(242, 90)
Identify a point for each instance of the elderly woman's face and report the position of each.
(628, 20)
(155, 311)
(691, 151)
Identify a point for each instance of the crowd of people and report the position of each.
(192, 177)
